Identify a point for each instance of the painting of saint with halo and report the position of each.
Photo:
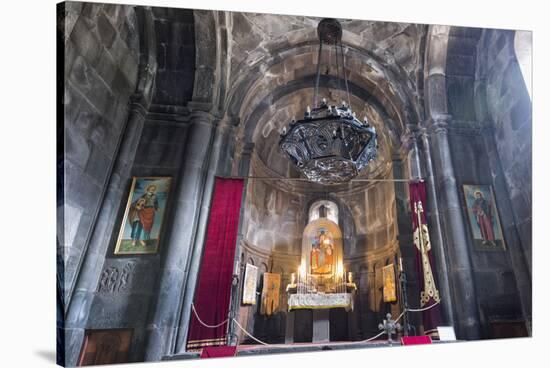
(322, 253)
(143, 217)
(483, 217)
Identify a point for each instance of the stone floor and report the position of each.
(247, 350)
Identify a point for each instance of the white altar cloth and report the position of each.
(320, 301)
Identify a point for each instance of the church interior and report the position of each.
(266, 183)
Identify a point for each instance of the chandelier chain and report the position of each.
(316, 91)
(344, 68)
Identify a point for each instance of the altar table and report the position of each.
(320, 301)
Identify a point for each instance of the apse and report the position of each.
(235, 183)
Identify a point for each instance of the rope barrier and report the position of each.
(266, 344)
(369, 339)
(249, 335)
(423, 309)
(204, 324)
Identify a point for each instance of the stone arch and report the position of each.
(435, 65)
(361, 65)
(332, 211)
(147, 56)
(311, 232)
(208, 25)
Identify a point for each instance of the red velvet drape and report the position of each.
(431, 318)
(213, 292)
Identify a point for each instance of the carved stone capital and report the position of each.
(137, 105)
(247, 148)
(409, 137)
(439, 123)
(202, 117)
(198, 106)
(423, 133)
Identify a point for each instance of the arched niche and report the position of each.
(331, 210)
(322, 242)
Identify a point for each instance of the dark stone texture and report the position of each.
(460, 94)
(103, 151)
(461, 65)
(175, 32)
(303, 325)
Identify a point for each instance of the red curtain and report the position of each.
(429, 294)
(213, 291)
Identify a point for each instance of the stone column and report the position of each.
(436, 233)
(246, 155)
(241, 167)
(217, 165)
(162, 329)
(90, 270)
(459, 267)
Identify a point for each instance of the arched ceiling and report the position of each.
(266, 50)
(269, 65)
(278, 114)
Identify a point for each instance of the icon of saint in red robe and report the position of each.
(482, 210)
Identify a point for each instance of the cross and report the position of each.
(390, 327)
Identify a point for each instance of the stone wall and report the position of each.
(497, 291)
(274, 220)
(100, 73)
(175, 32)
(504, 102)
(460, 72)
(126, 302)
(490, 140)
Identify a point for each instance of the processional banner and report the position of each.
(212, 297)
(270, 293)
(250, 281)
(388, 275)
(429, 295)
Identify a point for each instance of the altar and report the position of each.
(321, 284)
(321, 301)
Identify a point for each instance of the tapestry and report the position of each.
(249, 286)
(270, 293)
(388, 275)
(213, 292)
(429, 294)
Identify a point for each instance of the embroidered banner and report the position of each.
(429, 294)
(388, 275)
(249, 286)
(213, 291)
(270, 293)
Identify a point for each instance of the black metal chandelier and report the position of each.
(330, 145)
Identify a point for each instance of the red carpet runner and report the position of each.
(218, 351)
(213, 291)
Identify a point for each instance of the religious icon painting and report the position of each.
(389, 291)
(483, 218)
(250, 281)
(270, 293)
(143, 218)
